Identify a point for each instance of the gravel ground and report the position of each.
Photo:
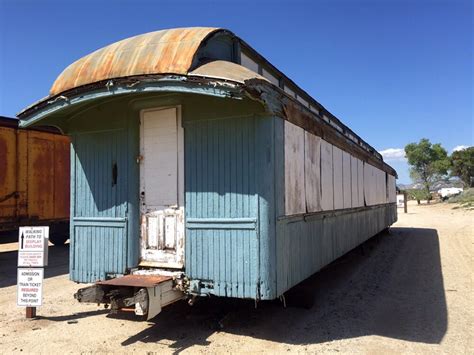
(409, 291)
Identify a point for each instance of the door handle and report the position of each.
(114, 174)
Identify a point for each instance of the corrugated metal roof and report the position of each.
(221, 69)
(161, 52)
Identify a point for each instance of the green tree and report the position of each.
(462, 165)
(428, 162)
(419, 195)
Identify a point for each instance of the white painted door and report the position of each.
(162, 188)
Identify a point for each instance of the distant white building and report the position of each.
(400, 200)
(446, 192)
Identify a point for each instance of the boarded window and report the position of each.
(346, 180)
(378, 186)
(392, 193)
(314, 109)
(383, 186)
(303, 101)
(360, 183)
(327, 184)
(289, 91)
(294, 170)
(369, 185)
(312, 172)
(335, 125)
(322, 177)
(248, 62)
(351, 137)
(337, 175)
(375, 185)
(354, 185)
(380, 189)
(270, 77)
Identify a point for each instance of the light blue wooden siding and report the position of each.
(97, 250)
(306, 244)
(222, 247)
(104, 220)
(96, 153)
(98, 206)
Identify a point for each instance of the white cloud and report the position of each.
(460, 147)
(393, 154)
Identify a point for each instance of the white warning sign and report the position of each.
(30, 287)
(33, 246)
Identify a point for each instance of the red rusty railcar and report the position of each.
(34, 179)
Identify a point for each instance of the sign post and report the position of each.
(32, 257)
(405, 202)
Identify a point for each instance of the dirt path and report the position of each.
(410, 291)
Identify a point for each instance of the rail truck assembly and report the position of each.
(198, 169)
(34, 179)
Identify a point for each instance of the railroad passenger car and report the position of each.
(197, 164)
(34, 179)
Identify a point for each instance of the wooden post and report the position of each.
(405, 202)
(30, 312)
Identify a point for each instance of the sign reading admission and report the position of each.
(33, 246)
(30, 287)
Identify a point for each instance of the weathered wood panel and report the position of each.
(360, 182)
(313, 172)
(354, 183)
(294, 170)
(383, 186)
(327, 183)
(337, 176)
(316, 125)
(370, 185)
(346, 180)
(392, 193)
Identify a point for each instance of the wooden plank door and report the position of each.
(161, 188)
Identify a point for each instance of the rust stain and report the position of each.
(3, 162)
(8, 173)
(136, 280)
(161, 52)
(34, 175)
(40, 179)
(61, 177)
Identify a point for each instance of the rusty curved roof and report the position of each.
(161, 52)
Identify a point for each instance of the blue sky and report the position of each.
(394, 71)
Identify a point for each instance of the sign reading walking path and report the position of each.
(32, 257)
(33, 246)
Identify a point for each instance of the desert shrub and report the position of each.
(465, 198)
(418, 195)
